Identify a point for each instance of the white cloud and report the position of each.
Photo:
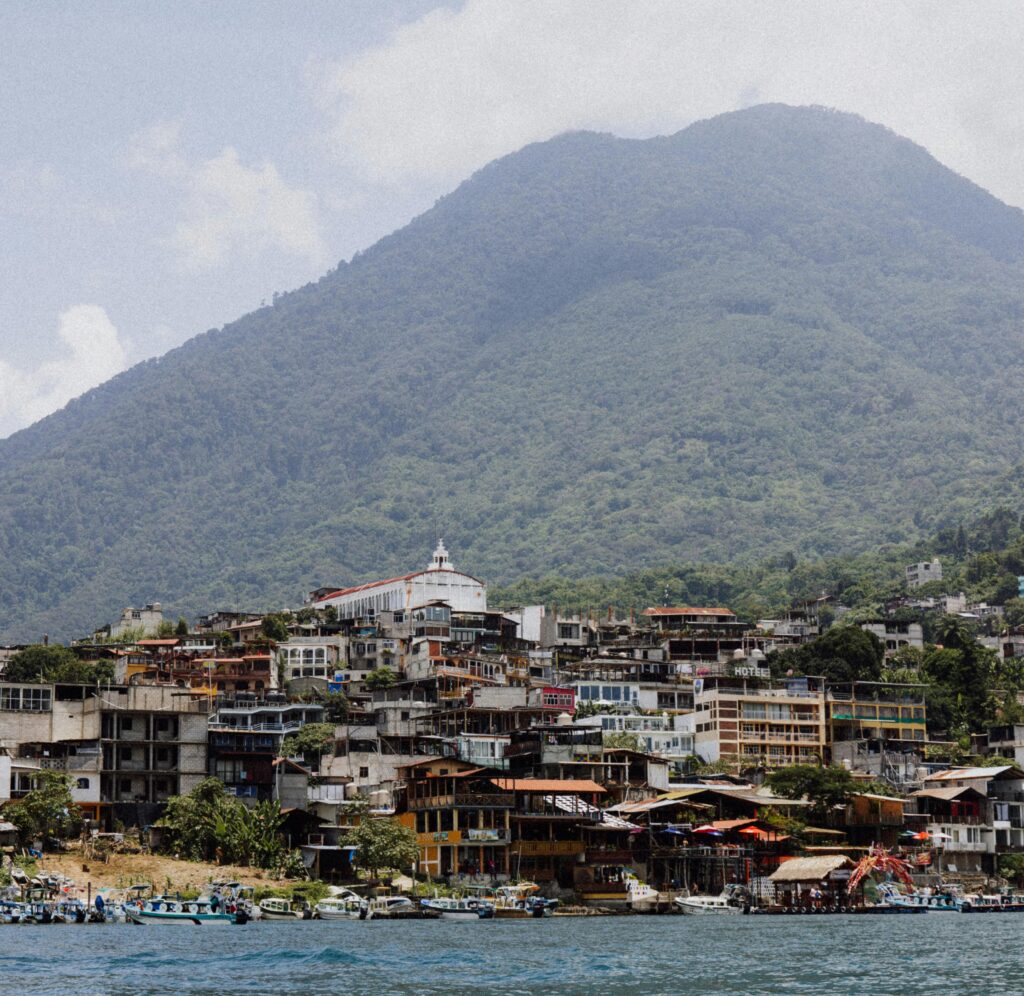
(455, 89)
(229, 210)
(88, 352)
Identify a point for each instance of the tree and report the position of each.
(48, 810)
(165, 629)
(384, 843)
(275, 627)
(824, 787)
(182, 628)
(379, 678)
(629, 741)
(54, 663)
(842, 654)
(310, 742)
(209, 824)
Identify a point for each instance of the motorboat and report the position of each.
(731, 901)
(460, 909)
(520, 902)
(942, 901)
(172, 910)
(340, 908)
(284, 909)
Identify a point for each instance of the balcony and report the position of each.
(467, 800)
(327, 793)
(608, 856)
(548, 848)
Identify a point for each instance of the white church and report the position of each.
(438, 582)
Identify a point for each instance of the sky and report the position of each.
(165, 167)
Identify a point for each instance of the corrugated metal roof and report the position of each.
(952, 774)
(686, 610)
(809, 869)
(946, 794)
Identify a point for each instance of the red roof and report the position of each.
(563, 786)
(355, 589)
(159, 643)
(686, 610)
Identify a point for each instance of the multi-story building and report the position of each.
(976, 813)
(153, 743)
(308, 662)
(922, 573)
(895, 635)
(245, 736)
(462, 818)
(756, 723)
(869, 710)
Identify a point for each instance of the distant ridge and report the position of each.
(779, 329)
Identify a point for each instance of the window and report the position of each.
(125, 753)
(364, 772)
(83, 783)
(126, 722)
(126, 785)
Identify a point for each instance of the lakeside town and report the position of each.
(525, 758)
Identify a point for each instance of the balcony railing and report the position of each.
(483, 800)
(548, 848)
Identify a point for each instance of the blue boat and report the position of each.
(168, 910)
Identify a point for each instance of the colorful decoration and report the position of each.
(879, 859)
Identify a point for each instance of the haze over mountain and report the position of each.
(782, 328)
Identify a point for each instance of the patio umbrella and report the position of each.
(707, 828)
(923, 835)
(941, 836)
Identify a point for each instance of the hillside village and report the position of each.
(583, 751)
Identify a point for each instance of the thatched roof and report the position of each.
(815, 869)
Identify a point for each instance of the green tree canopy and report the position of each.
(275, 627)
(48, 810)
(378, 678)
(310, 742)
(50, 663)
(208, 824)
(843, 653)
(824, 787)
(384, 843)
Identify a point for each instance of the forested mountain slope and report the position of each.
(779, 329)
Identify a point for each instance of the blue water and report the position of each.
(934, 953)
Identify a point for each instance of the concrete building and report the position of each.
(868, 710)
(759, 724)
(919, 574)
(147, 619)
(895, 635)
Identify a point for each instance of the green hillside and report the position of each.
(778, 330)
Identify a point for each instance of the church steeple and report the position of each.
(441, 561)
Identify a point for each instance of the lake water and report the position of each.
(933, 953)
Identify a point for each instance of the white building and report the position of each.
(439, 582)
(147, 619)
(895, 635)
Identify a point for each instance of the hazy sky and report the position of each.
(164, 167)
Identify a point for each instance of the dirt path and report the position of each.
(165, 874)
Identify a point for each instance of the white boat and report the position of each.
(460, 909)
(340, 908)
(945, 901)
(731, 901)
(166, 910)
(284, 909)
(521, 902)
